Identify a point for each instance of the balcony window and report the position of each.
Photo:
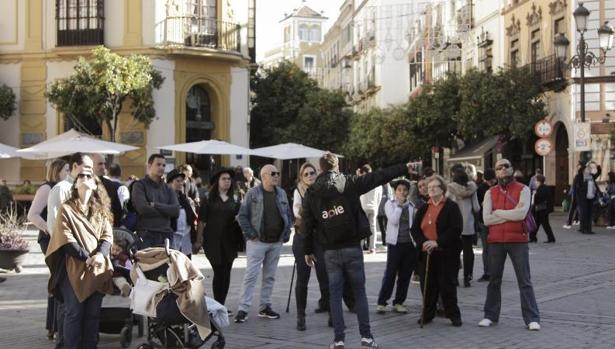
(514, 52)
(535, 45)
(80, 22)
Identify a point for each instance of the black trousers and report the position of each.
(401, 259)
(222, 281)
(612, 212)
(542, 218)
(574, 212)
(382, 224)
(468, 255)
(443, 267)
(585, 212)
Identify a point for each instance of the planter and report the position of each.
(12, 259)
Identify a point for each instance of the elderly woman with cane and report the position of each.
(436, 229)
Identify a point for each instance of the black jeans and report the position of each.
(303, 276)
(81, 319)
(573, 214)
(585, 212)
(401, 260)
(382, 224)
(443, 267)
(222, 281)
(542, 218)
(468, 256)
(153, 239)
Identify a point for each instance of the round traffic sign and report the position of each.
(543, 147)
(543, 128)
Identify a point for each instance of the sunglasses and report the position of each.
(307, 174)
(502, 166)
(83, 175)
(274, 174)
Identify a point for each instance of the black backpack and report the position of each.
(337, 220)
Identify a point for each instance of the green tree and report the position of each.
(7, 102)
(100, 86)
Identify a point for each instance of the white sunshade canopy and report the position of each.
(288, 151)
(71, 142)
(6, 151)
(209, 147)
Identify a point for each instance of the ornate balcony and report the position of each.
(199, 32)
(550, 73)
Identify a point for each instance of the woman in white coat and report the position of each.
(463, 191)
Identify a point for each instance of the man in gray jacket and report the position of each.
(156, 205)
(265, 217)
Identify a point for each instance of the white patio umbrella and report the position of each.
(288, 151)
(71, 142)
(209, 147)
(6, 151)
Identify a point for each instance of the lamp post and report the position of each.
(583, 57)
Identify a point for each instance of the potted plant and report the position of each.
(13, 246)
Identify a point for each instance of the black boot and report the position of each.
(300, 322)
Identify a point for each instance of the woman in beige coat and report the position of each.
(78, 258)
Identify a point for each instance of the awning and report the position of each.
(475, 151)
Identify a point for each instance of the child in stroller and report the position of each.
(121, 268)
(169, 290)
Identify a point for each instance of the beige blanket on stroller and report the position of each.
(185, 280)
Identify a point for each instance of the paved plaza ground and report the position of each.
(574, 281)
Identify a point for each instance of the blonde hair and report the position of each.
(301, 186)
(439, 179)
(54, 169)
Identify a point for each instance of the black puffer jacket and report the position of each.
(330, 185)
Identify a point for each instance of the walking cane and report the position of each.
(425, 288)
(290, 290)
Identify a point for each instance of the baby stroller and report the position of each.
(169, 290)
(117, 318)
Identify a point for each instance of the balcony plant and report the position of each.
(13, 245)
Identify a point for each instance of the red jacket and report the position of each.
(511, 231)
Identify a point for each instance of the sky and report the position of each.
(269, 13)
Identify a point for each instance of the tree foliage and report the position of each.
(7, 102)
(288, 106)
(100, 86)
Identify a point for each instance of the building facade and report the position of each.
(199, 46)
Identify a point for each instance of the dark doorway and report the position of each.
(199, 127)
(562, 180)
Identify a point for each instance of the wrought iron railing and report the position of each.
(548, 70)
(193, 31)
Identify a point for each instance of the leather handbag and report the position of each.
(529, 223)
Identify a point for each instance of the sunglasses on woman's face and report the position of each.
(502, 167)
(310, 173)
(84, 175)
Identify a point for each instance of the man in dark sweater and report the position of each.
(332, 214)
(156, 204)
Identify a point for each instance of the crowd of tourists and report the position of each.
(428, 228)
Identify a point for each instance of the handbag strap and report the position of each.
(508, 196)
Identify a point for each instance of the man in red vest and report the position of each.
(504, 209)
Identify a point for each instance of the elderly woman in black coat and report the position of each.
(436, 229)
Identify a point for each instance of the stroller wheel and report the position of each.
(219, 344)
(145, 346)
(126, 336)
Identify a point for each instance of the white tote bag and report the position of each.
(142, 295)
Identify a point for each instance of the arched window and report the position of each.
(80, 22)
(199, 127)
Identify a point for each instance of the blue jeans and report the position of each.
(348, 261)
(519, 255)
(259, 253)
(81, 319)
(401, 260)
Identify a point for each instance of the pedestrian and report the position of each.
(332, 211)
(265, 217)
(218, 231)
(190, 188)
(249, 182)
(533, 185)
(542, 208)
(6, 197)
(112, 188)
(401, 248)
(610, 190)
(56, 171)
(586, 192)
(115, 175)
(463, 192)
(184, 224)
(307, 176)
(505, 207)
(156, 205)
(489, 181)
(369, 203)
(78, 258)
(387, 194)
(437, 229)
(61, 192)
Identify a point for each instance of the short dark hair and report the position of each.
(489, 174)
(428, 172)
(76, 158)
(540, 178)
(115, 170)
(328, 161)
(366, 168)
(153, 157)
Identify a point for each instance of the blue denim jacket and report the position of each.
(250, 215)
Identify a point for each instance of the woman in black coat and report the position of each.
(586, 192)
(218, 231)
(542, 210)
(437, 231)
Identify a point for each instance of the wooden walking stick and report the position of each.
(290, 290)
(425, 288)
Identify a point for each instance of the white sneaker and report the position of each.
(566, 226)
(533, 326)
(610, 227)
(485, 323)
(576, 223)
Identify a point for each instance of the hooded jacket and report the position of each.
(332, 185)
(466, 198)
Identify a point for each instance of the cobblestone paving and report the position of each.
(574, 281)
